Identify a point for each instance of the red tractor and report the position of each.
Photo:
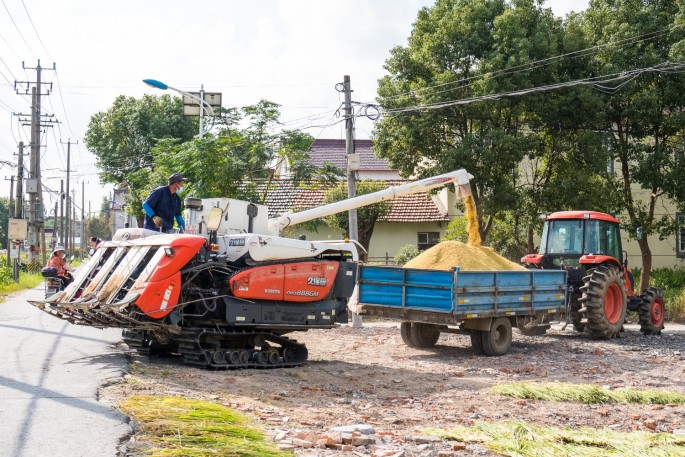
(587, 244)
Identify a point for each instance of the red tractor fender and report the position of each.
(596, 259)
(532, 258)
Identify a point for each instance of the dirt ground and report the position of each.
(367, 378)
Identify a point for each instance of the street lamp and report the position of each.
(160, 85)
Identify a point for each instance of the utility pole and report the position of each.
(34, 188)
(68, 246)
(61, 212)
(19, 201)
(83, 218)
(351, 182)
(10, 211)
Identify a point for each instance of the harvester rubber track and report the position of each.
(231, 349)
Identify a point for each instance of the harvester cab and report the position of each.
(601, 287)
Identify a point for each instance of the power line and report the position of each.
(18, 30)
(531, 65)
(595, 81)
(34, 29)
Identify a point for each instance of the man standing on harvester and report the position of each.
(163, 205)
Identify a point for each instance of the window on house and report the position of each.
(427, 240)
(680, 235)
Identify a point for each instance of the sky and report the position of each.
(292, 52)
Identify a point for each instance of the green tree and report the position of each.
(101, 225)
(241, 160)
(529, 154)
(367, 216)
(122, 139)
(644, 120)
(4, 221)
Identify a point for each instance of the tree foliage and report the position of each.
(367, 216)
(242, 159)
(4, 221)
(449, 104)
(645, 120)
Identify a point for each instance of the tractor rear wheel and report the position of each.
(424, 335)
(405, 331)
(652, 311)
(604, 301)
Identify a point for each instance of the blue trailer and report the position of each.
(483, 304)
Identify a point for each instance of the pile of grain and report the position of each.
(448, 254)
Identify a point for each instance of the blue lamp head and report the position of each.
(156, 84)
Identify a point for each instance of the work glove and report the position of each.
(158, 221)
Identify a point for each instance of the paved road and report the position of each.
(50, 371)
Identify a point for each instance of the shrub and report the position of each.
(406, 253)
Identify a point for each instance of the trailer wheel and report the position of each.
(652, 311)
(405, 331)
(477, 342)
(424, 335)
(605, 302)
(575, 314)
(497, 340)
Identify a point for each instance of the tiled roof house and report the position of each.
(417, 219)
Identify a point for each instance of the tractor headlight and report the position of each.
(169, 251)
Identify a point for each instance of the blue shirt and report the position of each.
(165, 205)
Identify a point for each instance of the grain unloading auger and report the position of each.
(225, 293)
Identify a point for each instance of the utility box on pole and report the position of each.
(17, 229)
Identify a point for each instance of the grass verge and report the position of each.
(26, 281)
(173, 426)
(586, 393)
(513, 438)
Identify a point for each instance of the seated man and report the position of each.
(57, 261)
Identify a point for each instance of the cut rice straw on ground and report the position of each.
(173, 426)
(512, 438)
(586, 393)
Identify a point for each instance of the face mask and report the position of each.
(180, 189)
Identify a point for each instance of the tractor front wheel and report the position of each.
(652, 311)
(604, 302)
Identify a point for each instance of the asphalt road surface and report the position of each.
(50, 371)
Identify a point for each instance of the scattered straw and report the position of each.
(586, 393)
(513, 438)
(179, 427)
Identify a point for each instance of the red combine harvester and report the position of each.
(587, 244)
(225, 293)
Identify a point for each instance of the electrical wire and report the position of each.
(35, 30)
(593, 82)
(18, 29)
(531, 65)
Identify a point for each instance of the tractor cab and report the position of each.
(578, 241)
(573, 238)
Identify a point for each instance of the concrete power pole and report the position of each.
(61, 212)
(19, 197)
(349, 146)
(83, 218)
(68, 245)
(34, 187)
(351, 182)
